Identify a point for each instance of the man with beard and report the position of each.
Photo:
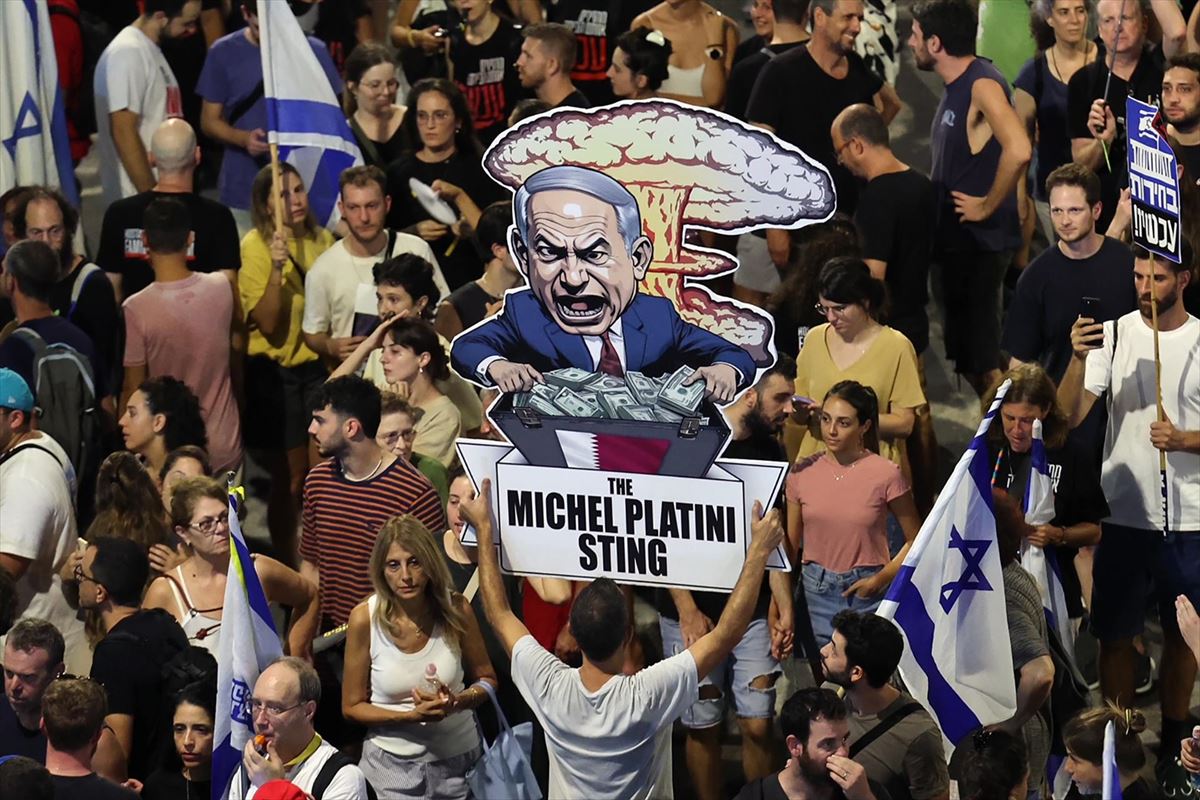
(750, 671)
(347, 498)
(1181, 107)
(815, 730)
(544, 66)
(891, 735)
(340, 282)
(82, 295)
(135, 91)
(1117, 358)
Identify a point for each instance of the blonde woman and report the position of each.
(419, 744)
(281, 370)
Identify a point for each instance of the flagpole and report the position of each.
(1162, 454)
(276, 186)
(1112, 62)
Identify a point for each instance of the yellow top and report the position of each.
(286, 347)
(889, 367)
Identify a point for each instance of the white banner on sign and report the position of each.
(652, 530)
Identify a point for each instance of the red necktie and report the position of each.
(610, 362)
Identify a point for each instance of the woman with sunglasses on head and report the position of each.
(194, 592)
(839, 500)
(415, 657)
(854, 345)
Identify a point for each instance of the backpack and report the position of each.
(332, 766)
(65, 389)
(95, 35)
(85, 273)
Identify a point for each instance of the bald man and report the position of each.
(122, 254)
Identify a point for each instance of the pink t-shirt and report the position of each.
(181, 329)
(845, 521)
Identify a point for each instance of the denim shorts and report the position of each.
(823, 591)
(1135, 567)
(750, 659)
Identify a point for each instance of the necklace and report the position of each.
(846, 471)
(1087, 48)
(368, 476)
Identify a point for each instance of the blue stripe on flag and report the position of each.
(307, 116)
(254, 591)
(955, 717)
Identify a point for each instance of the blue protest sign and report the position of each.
(1153, 182)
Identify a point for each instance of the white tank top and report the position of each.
(394, 674)
(684, 82)
(201, 629)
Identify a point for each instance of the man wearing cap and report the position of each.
(37, 517)
(285, 699)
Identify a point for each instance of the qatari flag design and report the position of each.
(612, 453)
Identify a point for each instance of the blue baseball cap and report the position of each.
(14, 392)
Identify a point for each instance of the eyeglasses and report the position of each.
(824, 310)
(210, 525)
(80, 577)
(439, 116)
(373, 86)
(272, 710)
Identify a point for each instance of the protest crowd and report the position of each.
(247, 381)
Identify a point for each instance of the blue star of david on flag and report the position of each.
(972, 578)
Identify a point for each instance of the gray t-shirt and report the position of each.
(909, 759)
(1027, 636)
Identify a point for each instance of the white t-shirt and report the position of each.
(1130, 474)
(37, 522)
(132, 75)
(347, 784)
(336, 279)
(606, 743)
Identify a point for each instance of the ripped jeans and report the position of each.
(750, 659)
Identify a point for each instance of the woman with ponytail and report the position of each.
(1084, 738)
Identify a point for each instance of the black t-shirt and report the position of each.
(806, 123)
(89, 787)
(745, 73)
(1189, 156)
(895, 220)
(575, 99)
(596, 24)
(215, 245)
(128, 663)
(171, 785)
(459, 260)
(1077, 498)
(1049, 297)
(1087, 85)
(16, 739)
(94, 313)
(470, 302)
(768, 788)
(487, 75)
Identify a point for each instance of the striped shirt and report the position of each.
(342, 519)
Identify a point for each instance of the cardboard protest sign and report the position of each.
(1153, 182)
(612, 362)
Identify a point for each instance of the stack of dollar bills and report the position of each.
(574, 392)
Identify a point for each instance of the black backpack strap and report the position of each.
(29, 446)
(885, 725)
(243, 106)
(332, 766)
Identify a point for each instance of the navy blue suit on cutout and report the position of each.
(657, 341)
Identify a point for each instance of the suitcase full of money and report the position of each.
(686, 447)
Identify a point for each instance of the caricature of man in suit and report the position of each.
(577, 237)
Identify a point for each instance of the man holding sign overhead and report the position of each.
(1116, 360)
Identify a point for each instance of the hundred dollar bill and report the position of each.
(643, 388)
(546, 391)
(613, 401)
(666, 415)
(605, 383)
(544, 406)
(521, 399)
(576, 405)
(568, 377)
(680, 398)
(638, 413)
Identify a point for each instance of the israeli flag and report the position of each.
(304, 117)
(1043, 565)
(34, 149)
(1112, 776)
(248, 644)
(948, 601)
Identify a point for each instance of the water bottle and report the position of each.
(430, 685)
